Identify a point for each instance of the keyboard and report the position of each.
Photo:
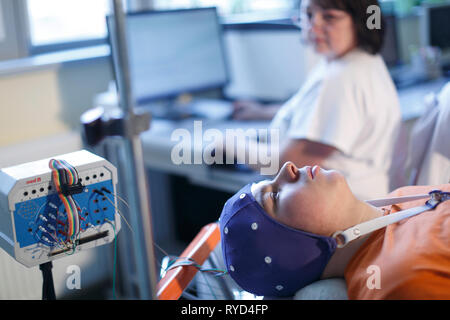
(211, 109)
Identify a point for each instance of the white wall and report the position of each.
(48, 101)
(30, 105)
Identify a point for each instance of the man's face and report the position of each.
(310, 199)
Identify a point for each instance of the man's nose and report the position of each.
(289, 173)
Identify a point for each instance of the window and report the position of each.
(62, 21)
(229, 7)
(65, 24)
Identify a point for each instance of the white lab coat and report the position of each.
(351, 104)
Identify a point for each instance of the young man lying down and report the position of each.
(281, 235)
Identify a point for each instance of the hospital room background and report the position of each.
(55, 64)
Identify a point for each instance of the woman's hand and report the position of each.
(246, 110)
(250, 110)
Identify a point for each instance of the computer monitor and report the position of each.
(435, 26)
(390, 52)
(174, 52)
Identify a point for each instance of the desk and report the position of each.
(158, 145)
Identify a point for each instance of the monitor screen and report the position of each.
(390, 52)
(439, 27)
(175, 52)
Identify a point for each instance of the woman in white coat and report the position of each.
(347, 115)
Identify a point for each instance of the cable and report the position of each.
(114, 259)
(126, 204)
(189, 296)
(117, 196)
(172, 262)
(118, 211)
(209, 286)
(185, 261)
(64, 175)
(161, 249)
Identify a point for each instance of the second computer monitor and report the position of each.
(175, 52)
(435, 28)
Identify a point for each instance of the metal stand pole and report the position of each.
(133, 164)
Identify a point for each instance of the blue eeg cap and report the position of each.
(265, 257)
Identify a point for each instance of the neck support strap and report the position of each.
(436, 197)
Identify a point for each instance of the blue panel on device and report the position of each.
(44, 220)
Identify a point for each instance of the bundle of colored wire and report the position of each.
(63, 174)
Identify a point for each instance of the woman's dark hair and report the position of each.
(370, 40)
